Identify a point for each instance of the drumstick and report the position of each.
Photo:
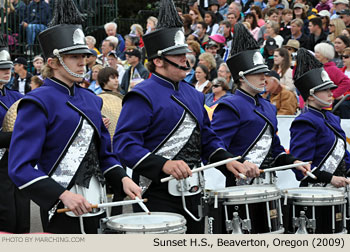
(222, 162)
(311, 175)
(242, 176)
(284, 167)
(142, 205)
(109, 204)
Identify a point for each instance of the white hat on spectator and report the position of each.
(341, 2)
(324, 13)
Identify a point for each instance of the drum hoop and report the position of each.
(329, 199)
(257, 195)
(242, 201)
(173, 225)
(318, 203)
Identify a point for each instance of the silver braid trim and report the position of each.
(57, 54)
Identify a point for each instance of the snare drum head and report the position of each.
(249, 192)
(143, 222)
(315, 194)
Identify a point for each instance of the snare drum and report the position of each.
(143, 223)
(258, 208)
(324, 209)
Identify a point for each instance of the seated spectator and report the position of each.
(107, 46)
(36, 82)
(256, 10)
(292, 46)
(282, 65)
(299, 11)
(108, 79)
(37, 16)
(340, 43)
(272, 15)
(323, 5)
(94, 86)
(38, 63)
(209, 61)
(136, 30)
(324, 52)
(344, 108)
(190, 76)
(212, 47)
(254, 28)
(196, 18)
(212, 24)
(214, 7)
(346, 32)
(287, 16)
(325, 17)
(336, 26)
(268, 51)
(151, 24)
(296, 26)
(136, 73)
(316, 33)
(114, 62)
(187, 21)
(285, 101)
(22, 79)
(272, 30)
(202, 76)
(224, 72)
(220, 90)
(91, 43)
(111, 30)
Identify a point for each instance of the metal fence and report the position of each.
(96, 12)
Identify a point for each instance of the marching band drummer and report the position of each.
(164, 129)
(246, 122)
(316, 134)
(14, 205)
(59, 144)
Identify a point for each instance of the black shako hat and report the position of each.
(65, 34)
(169, 37)
(5, 58)
(245, 55)
(310, 75)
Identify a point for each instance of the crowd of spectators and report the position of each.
(280, 27)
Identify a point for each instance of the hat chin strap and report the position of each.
(321, 101)
(241, 74)
(5, 81)
(177, 65)
(57, 54)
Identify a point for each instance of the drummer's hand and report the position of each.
(177, 168)
(252, 169)
(75, 202)
(303, 168)
(236, 167)
(131, 188)
(339, 181)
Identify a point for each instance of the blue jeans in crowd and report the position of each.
(32, 31)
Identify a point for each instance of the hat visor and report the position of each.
(177, 51)
(6, 65)
(78, 51)
(261, 69)
(327, 85)
(288, 46)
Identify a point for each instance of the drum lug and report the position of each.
(103, 226)
(302, 222)
(311, 223)
(246, 225)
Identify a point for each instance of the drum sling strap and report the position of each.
(80, 162)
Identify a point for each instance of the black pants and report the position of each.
(159, 200)
(14, 204)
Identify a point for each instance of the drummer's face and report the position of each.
(325, 95)
(173, 73)
(5, 74)
(257, 80)
(76, 63)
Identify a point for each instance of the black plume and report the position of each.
(168, 16)
(243, 40)
(66, 12)
(305, 62)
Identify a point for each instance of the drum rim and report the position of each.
(322, 198)
(173, 225)
(276, 193)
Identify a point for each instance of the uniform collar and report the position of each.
(252, 99)
(64, 86)
(3, 91)
(317, 112)
(174, 85)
